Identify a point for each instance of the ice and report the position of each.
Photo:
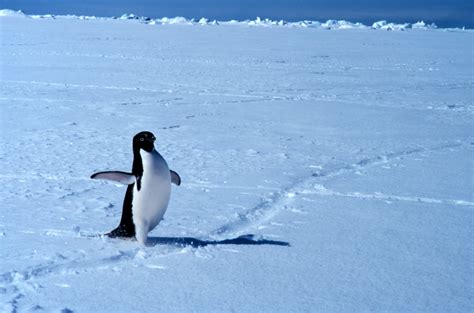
(12, 13)
(263, 22)
(326, 167)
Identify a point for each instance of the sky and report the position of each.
(444, 13)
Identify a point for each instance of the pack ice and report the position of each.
(325, 169)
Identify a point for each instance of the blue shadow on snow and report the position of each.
(194, 242)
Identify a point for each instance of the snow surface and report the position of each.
(323, 171)
(330, 24)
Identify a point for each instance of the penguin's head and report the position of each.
(144, 140)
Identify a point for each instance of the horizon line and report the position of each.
(258, 21)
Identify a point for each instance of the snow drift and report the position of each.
(322, 171)
(330, 24)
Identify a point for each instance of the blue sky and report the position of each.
(446, 13)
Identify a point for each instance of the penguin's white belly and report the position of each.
(150, 202)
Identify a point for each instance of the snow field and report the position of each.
(322, 171)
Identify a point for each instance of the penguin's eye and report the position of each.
(141, 139)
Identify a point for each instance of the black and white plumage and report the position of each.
(148, 191)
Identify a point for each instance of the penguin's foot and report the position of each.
(121, 232)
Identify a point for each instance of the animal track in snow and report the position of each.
(327, 171)
(281, 200)
(321, 190)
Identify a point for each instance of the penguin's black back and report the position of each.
(126, 227)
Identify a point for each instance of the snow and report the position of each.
(321, 170)
(259, 22)
(11, 13)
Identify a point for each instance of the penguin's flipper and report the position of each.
(117, 176)
(175, 179)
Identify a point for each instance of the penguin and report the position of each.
(148, 191)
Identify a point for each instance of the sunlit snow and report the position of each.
(326, 167)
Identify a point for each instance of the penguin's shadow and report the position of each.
(195, 243)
